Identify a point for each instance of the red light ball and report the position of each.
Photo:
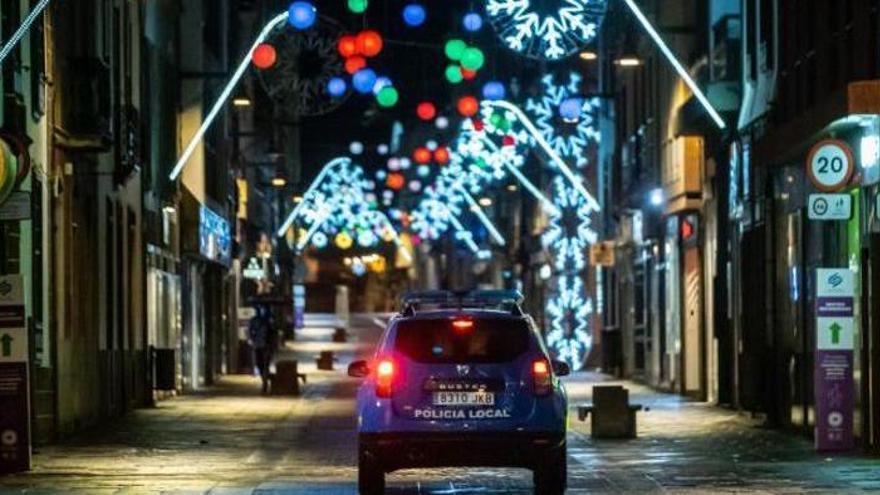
(369, 43)
(395, 181)
(479, 125)
(347, 46)
(508, 141)
(354, 64)
(441, 155)
(422, 155)
(264, 56)
(426, 110)
(468, 74)
(468, 106)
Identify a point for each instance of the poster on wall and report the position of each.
(15, 444)
(833, 369)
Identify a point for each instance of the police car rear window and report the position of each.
(491, 340)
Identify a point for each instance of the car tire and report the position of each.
(551, 475)
(371, 476)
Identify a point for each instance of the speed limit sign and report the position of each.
(830, 165)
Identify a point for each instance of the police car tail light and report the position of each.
(541, 376)
(462, 326)
(384, 377)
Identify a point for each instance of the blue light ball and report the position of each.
(414, 15)
(336, 87)
(570, 109)
(302, 15)
(364, 80)
(472, 22)
(494, 90)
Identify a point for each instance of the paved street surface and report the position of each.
(233, 440)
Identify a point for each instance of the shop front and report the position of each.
(206, 258)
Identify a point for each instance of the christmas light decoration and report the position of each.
(22, 29)
(302, 15)
(347, 46)
(454, 49)
(357, 6)
(550, 33)
(422, 155)
(369, 43)
(441, 155)
(468, 106)
(414, 15)
(264, 56)
(221, 99)
(494, 90)
(381, 82)
(472, 22)
(363, 80)
(354, 64)
(337, 87)
(472, 58)
(453, 74)
(570, 137)
(426, 110)
(388, 97)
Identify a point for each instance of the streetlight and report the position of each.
(656, 197)
(588, 55)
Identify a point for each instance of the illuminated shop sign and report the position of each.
(215, 239)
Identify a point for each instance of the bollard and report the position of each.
(339, 335)
(325, 361)
(287, 377)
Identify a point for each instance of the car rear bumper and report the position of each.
(394, 451)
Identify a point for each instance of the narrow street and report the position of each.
(230, 439)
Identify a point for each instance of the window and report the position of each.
(488, 340)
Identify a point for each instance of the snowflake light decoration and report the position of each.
(541, 31)
(569, 139)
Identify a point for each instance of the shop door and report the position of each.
(693, 322)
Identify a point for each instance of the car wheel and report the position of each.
(371, 477)
(551, 475)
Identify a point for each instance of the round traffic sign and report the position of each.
(830, 165)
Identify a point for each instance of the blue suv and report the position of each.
(461, 379)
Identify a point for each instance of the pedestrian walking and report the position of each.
(261, 332)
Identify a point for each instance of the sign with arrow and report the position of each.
(833, 366)
(834, 334)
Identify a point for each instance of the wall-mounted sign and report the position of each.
(830, 165)
(254, 270)
(833, 373)
(830, 206)
(602, 254)
(15, 444)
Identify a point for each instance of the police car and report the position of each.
(461, 379)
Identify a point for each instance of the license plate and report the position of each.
(464, 399)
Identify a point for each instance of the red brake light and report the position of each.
(384, 377)
(542, 377)
(462, 326)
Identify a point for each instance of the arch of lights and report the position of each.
(551, 32)
(336, 203)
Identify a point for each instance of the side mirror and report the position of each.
(560, 368)
(358, 369)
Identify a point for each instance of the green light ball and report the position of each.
(453, 74)
(455, 48)
(387, 97)
(472, 58)
(357, 6)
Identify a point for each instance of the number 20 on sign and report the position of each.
(830, 165)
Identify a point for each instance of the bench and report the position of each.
(286, 380)
(611, 414)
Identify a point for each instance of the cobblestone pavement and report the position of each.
(231, 439)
